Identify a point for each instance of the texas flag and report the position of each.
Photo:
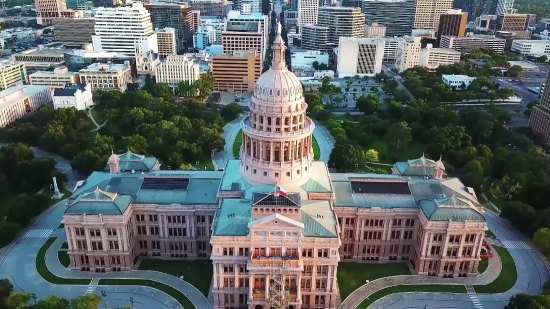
(281, 191)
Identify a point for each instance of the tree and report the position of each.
(541, 239)
(524, 301)
(368, 104)
(345, 157)
(398, 134)
(185, 89)
(315, 65)
(520, 215)
(18, 300)
(53, 302)
(6, 288)
(88, 301)
(322, 67)
(8, 231)
(149, 83)
(506, 188)
(542, 58)
(326, 86)
(163, 90)
(231, 111)
(516, 70)
(441, 139)
(371, 155)
(205, 86)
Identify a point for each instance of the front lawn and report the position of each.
(411, 288)
(178, 296)
(45, 273)
(197, 272)
(483, 264)
(237, 144)
(352, 275)
(64, 258)
(205, 164)
(507, 277)
(316, 149)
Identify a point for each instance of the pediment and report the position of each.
(275, 220)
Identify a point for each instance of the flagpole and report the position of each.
(276, 193)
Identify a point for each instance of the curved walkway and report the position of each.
(19, 266)
(231, 130)
(362, 293)
(91, 115)
(532, 274)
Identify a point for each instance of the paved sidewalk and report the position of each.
(362, 293)
(54, 265)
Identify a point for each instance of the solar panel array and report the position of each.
(165, 183)
(381, 187)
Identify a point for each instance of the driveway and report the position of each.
(532, 273)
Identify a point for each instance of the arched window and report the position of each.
(268, 121)
(277, 121)
(277, 154)
(286, 121)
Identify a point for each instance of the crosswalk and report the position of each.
(475, 300)
(515, 244)
(91, 289)
(42, 233)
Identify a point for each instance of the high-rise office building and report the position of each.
(396, 15)
(166, 41)
(262, 20)
(427, 13)
(359, 56)
(539, 121)
(342, 22)
(243, 36)
(308, 12)
(117, 29)
(473, 42)
(172, 15)
(515, 22)
(74, 30)
(316, 38)
(236, 72)
(47, 10)
(208, 7)
(12, 73)
(408, 53)
(375, 30)
(452, 23)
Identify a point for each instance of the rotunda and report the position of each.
(277, 134)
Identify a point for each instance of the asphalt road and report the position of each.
(521, 90)
(532, 273)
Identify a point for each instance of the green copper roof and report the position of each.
(130, 161)
(417, 167)
(450, 209)
(232, 218)
(318, 219)
(100, 202)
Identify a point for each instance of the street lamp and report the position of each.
(104, 295)
(132, 301)
(33, 296)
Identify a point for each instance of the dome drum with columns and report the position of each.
(277, 134)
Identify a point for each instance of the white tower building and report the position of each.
(308, 12)
(117, 29)
(277, 134)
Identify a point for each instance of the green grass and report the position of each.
(237, 144)
(316, 149)
(61, 226)
(49, 193)
(507, 277)
(205, 164)
(178, 296)
(45, 272)
(64, 258)
(196, 272)
(352, 275)
(488, 233)
(64, 245)
(483, 264)
(98, 116)
(411, 288)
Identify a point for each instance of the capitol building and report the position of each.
(275, 223)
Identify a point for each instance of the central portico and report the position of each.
(277, 134)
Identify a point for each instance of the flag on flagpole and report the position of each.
(281, 191)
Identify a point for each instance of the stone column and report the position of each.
(216, 275)
(125, 240)
(299, 286)
(266, 286)
(88, 242)
(73, 239)
(425, 247)
(119, 238)
(187, 221)
(445, 244)
(461, 246)
(236, 283)
(334, 281)
(250, 286)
